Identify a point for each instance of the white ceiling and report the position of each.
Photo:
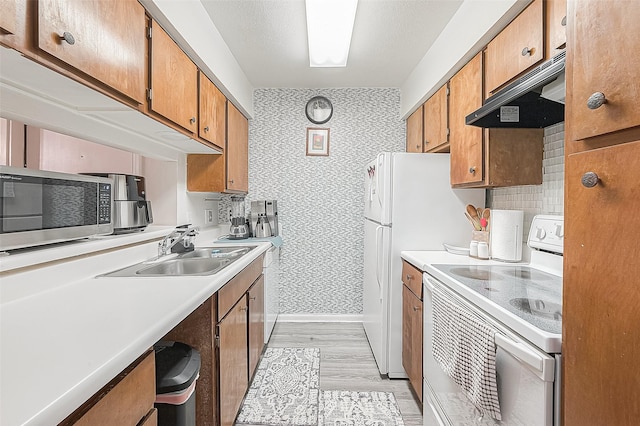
(268, 39)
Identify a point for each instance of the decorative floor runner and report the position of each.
(341, 408)
(285, 389)
(286, 392)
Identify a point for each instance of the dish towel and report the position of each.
(464, 346)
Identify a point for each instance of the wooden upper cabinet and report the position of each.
(414, 131)
(600, 315)
(602, 68)
(211, 112)
(466, 142)
(103, 39)
(555, 27)
(436, 121)
(8, 20)
(237, 150)
(174, 80)
(516, 49)
(490, 157)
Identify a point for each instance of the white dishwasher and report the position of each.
(271, 271)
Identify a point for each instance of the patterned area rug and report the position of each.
(342, 408)
(285, 389)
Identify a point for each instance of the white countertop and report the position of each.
(420, 259)
(71, 333)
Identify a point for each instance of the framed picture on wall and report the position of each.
(317, 141)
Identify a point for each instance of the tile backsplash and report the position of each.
(547, 198)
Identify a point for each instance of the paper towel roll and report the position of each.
(506, 235)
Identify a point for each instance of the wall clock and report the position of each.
(319, 110)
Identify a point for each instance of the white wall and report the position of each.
(475, 23)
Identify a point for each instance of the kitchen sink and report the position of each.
(201, 261)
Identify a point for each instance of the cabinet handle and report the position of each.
(417, 146)
(252, 298)
(564, 21)
(596, 100)
(68, 37)
(416, 308)
(231, 181)
(472, 170)
(409, 277)
(526, 51)
(192, 120)
(206, 129)
(244, 308)
(589, 180)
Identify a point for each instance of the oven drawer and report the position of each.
(525, 375)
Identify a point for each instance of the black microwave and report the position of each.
(41, 207)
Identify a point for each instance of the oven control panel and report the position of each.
(547, 233)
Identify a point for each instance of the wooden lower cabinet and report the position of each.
(256, 324)
(601, 296)
(232, 334)
(412, 327)
(127, 400)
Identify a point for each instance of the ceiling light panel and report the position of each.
(329, 29)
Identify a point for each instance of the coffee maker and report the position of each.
(239, 227)
(264, 211)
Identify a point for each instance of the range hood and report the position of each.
(535, 100)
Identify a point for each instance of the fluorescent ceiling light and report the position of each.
(329, 29)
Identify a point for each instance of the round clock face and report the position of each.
(319, 110)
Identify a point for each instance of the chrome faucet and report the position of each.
(180, 240)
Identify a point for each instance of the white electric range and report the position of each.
(523, 304)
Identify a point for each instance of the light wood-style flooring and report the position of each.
(346, 361)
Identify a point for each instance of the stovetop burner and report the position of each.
(530, 294)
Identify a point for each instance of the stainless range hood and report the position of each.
(520, 104)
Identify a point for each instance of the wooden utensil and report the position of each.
(474, 221)
(486, 214)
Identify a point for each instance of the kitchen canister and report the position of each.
(506, 235)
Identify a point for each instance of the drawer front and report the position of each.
(412, 278)
(127, 399)
(232, 291)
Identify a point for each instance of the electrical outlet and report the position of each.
(208, 216)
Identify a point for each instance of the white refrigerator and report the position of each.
(409, 205)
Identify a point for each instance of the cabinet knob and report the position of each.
(417, 146)
(244, 308)
(589, 180)
(68, 37)
(596, 100)
(416, 308)
(192, 120)
(564, 21)
(206, 129)
(472, 170)
(231, 181)
(253, 298)
(526, 51)
(409, 277)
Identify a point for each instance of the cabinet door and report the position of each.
(466, 143)
(8, 23)
(237, 150)
(174, 81)
(604, 39)
(212, 124)
(412, 338)
(436, 120)
(600, 318)
(256, 323)
(517, 48)
(104, 39)
(414, 131)
(234, 366)
(555, 27)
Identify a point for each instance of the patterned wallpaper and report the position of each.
(320, 199)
